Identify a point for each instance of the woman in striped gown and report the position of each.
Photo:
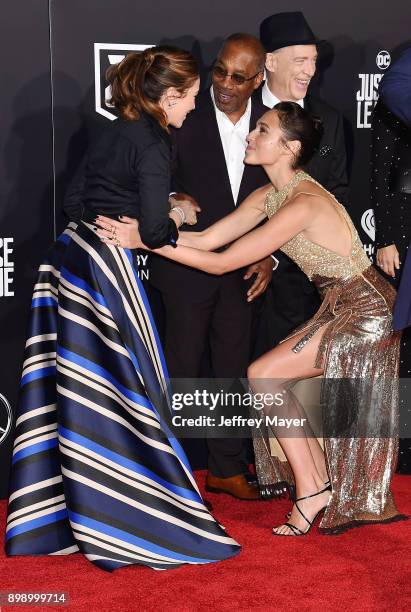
(94, 467)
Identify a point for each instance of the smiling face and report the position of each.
(266, 144)
(177, 106)
(290, 71)
(239, 59)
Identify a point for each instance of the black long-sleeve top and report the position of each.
(392, 209)
(127, 172)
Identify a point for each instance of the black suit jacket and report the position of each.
(328, 165)
(199, 169)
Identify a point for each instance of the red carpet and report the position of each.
(365, 569)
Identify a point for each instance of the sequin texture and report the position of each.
(359, 355)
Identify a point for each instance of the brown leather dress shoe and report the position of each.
(236, 486)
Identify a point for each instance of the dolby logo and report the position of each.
(5, 418)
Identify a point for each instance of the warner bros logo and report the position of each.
(105, 55)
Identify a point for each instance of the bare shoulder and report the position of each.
(256, 199)
(302, 205)
(312, 195)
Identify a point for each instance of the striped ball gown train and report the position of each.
(93, 467)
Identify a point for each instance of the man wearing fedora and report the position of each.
(292, 51)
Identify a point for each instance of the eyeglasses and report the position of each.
(237, 79)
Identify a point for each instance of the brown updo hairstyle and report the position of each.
(297, 124)
(140, 79)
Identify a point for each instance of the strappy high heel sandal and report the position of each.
(327, 484)
(296, 531)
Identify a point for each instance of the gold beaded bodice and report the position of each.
(312, 258)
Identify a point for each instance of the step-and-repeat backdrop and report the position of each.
(53, 96)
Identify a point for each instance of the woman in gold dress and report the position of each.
(349, 341)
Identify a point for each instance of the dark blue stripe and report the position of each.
(35, 448)
(37, 468)
(149, 313)
(40, 373)
(43, 301)
(131, 539)
(144, 523)
(56, 537)
(128, 463)
(53, 517)
(65, 238)
(37, 395)
(100, 371)
(81, 283)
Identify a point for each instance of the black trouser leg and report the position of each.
(186, 334)
(230, 349)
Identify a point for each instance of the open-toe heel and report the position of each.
(327, 484)
(296, 531)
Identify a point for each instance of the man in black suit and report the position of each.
(202, 309)
(290, 65)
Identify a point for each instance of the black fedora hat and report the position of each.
(286, 29)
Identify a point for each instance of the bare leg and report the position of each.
(315, 448)
(273, 373)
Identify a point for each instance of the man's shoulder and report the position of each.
(257, 105)
(319, 106)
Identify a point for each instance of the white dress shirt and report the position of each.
(270, 100)
(233, 138)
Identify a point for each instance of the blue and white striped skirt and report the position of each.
(94, 469)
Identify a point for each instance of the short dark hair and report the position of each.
(248, 40)
(298, 124)
(140, 79)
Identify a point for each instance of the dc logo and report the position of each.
(5, 418)
(383, 60)
(368, 223)
(105, 55)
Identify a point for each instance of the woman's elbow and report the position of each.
(156, 237)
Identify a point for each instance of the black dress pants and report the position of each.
(216, 323)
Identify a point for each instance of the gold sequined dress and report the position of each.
(359, 353)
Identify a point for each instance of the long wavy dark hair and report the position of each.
(140, 79)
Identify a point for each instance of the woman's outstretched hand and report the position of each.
(122, 233)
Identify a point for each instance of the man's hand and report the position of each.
(264, 271)
(388, 259)
(188, 204)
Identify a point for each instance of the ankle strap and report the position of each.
(313, 494)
